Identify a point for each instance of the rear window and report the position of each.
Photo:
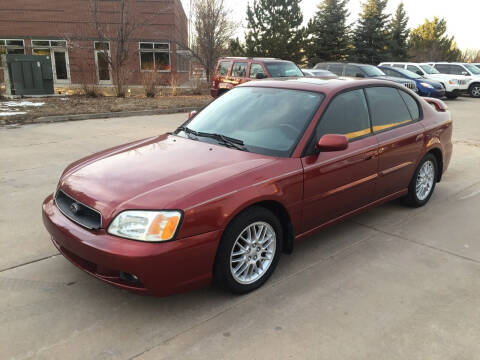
(283, 69)
(223, 68)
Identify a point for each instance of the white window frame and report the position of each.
(153, 51)
(52, 57)
(13, 46)
(95, 51)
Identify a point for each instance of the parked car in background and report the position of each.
(319, 73)
(232, 71)
(268, 163)
(454, 84)
(363, 71)
(426, 87)
(468, 70)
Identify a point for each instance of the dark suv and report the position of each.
(232, 71)
(364, 71)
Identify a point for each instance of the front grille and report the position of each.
(78, 212)
(411, 86)
(462, 82)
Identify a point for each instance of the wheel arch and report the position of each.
(439, 157)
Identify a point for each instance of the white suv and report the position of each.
(454, 84)
(469, 70)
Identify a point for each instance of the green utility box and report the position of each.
(28, 75)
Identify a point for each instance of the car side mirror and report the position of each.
(191, 114)
(332, 142)
(464, 73)
(420, 73)
(260, 76)
(359, 75)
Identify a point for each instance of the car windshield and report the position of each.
(266, 121)
(283, 69)
(372, 71)
(409, 73)
(429, 70)
(473, 69)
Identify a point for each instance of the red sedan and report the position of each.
(267, 164)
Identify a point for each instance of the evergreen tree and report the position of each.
(274, 29)
(371, 38)
(328, 33)
(429, 42)
(235, 48)
(399, 35)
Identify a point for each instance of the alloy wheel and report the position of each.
(425, 180)
(253, 252)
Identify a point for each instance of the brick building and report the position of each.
(79, 34)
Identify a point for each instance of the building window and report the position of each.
(11, 46)
(57, 50)
(102, 57)
(154, 56)
(183, 58)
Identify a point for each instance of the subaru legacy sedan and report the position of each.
(224, 195)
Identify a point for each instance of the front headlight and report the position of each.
(144, 225)
(426, 85)
(453, 81)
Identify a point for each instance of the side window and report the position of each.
(223, 68)
(346, 114)
(400, 66)
(323, 66)
(387, 108)
(352, 70)
(414, 69)
(337, 69)
(411, 104)
(443, 68)
(256, 69)
(239, 69)
(457, 70)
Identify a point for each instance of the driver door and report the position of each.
(339, 182)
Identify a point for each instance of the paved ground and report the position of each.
(392, 283)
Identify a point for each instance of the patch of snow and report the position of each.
(22, 103)
(12, 113)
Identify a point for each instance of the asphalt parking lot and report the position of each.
(391, 283)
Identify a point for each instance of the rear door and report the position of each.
(395, 118)
(339, 182)
(238, 74)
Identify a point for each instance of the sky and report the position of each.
(461, 15)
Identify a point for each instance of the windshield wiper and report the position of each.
(188, 131)
(222, 139)
(225, 140)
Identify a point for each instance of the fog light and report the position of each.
(130, 278)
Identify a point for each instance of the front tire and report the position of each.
(423, 182)
(249, 250)
(475, 90)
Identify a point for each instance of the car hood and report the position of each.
(164, 172)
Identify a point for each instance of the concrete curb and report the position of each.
(109, 115)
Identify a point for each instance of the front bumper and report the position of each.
(436, 93)
(161, 268)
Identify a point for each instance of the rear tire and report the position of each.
(249, 251)
(423, 182)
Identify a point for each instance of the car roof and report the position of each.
(326, 86)
(253, 59)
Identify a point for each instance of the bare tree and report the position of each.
(470, 55)
(213, 30)
(118, 35)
